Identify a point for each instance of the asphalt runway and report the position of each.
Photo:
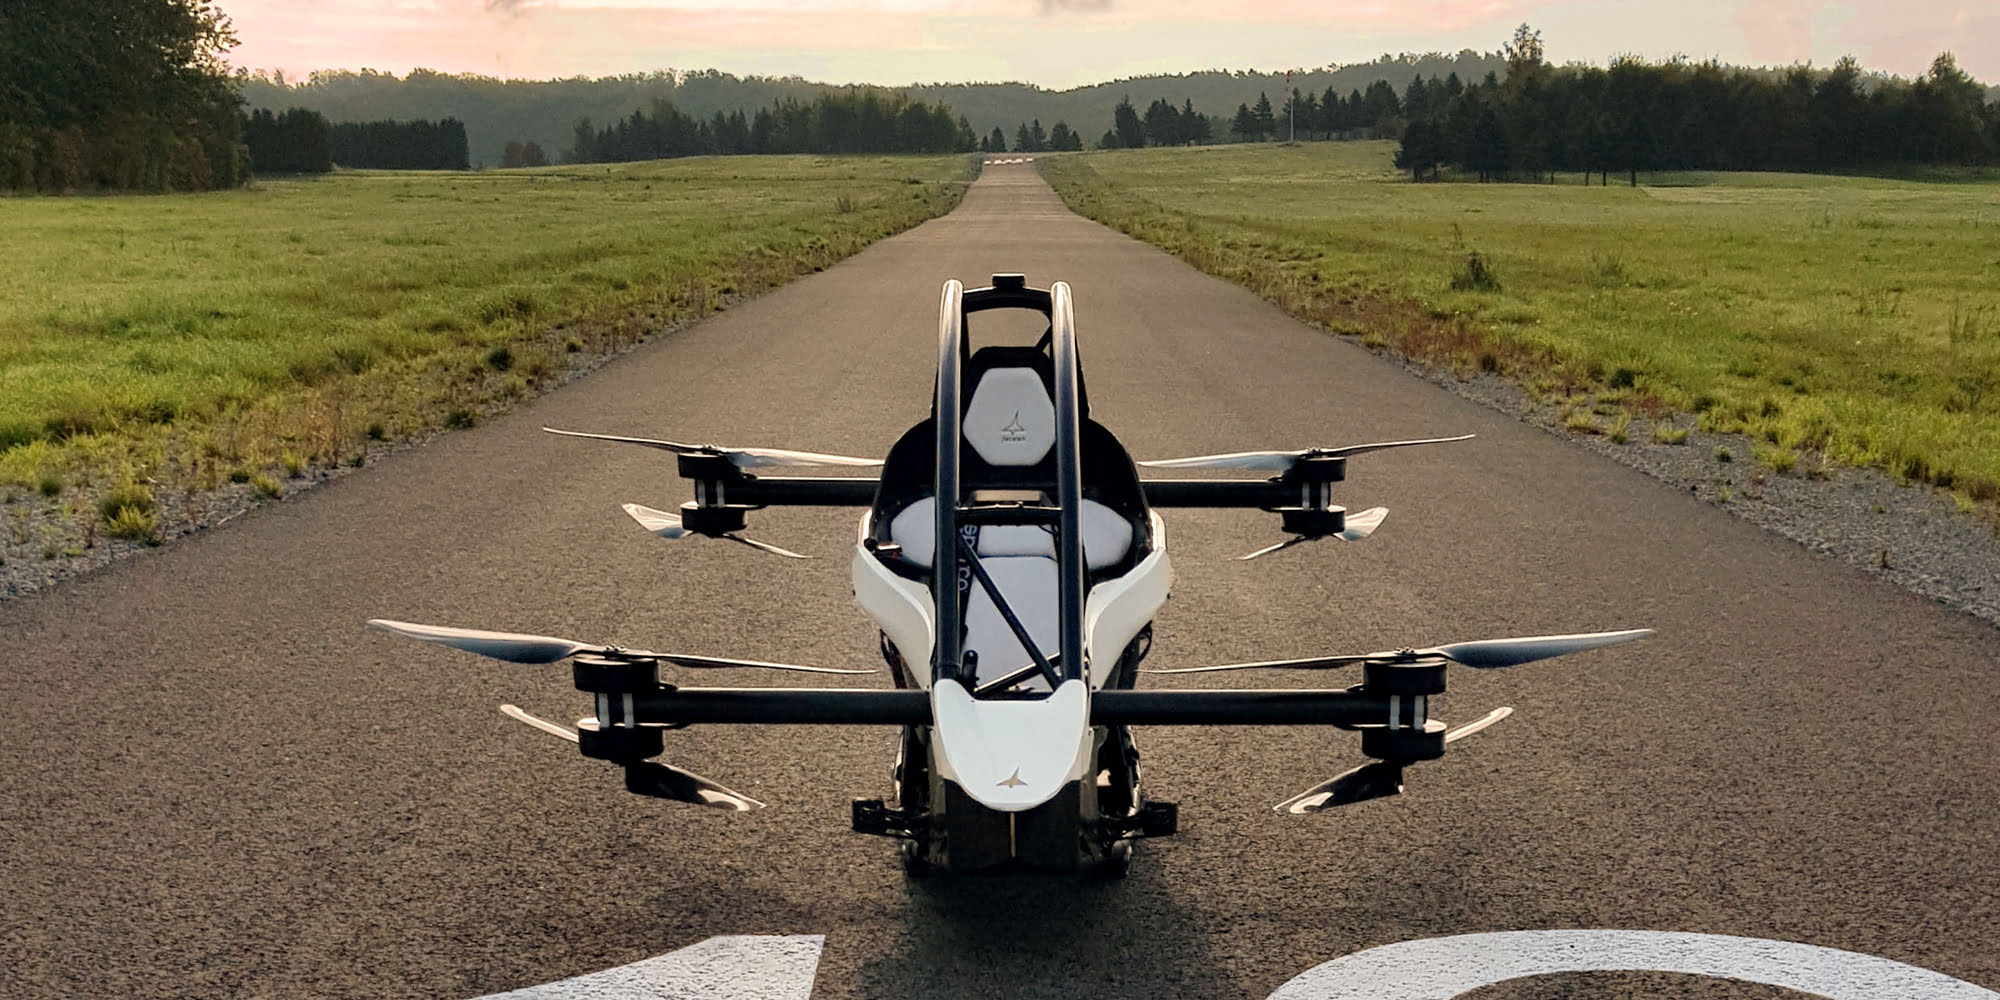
(215, 781)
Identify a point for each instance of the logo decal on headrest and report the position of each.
(1014, 432)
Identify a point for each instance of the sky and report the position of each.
(1060, 44)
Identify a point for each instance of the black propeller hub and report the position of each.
(1313, 467)
(1314, 523)
(1405, 745)
(1412, 677)
(621, 744)
(710, 465)
(614, 671)
(1408, 680)
(703, 519)
(615, 680)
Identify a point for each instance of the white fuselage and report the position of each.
(1013, 754)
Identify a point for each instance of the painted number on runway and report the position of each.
(1436, 968)
(782, 968)
(738, 967)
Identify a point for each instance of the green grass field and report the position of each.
(1838, 319)
(197, 339)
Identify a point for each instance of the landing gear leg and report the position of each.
(913, 795)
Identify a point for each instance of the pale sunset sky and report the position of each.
(1065, 43)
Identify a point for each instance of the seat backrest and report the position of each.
(1010, 421)
(1009, 431)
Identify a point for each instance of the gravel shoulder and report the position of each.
(1915, 536)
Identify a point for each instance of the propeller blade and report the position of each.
(1279, 461)
(1377, 780)
(742, 458)
(721, 663)
(1280, 547)
(663, 781)
(765, 546)
(1472, 727)
(660, 781)
(1359, 526)
(1487, 654)
(515, 712)
(673, 446)
(1256, 461)
(1363, 449)
(669, 526)
(1311, 663)
(772, 458)
(658, 522)
(513, 647)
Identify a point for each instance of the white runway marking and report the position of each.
(738, 967)
(1440, 968)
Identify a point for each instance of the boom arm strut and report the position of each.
(856, 491)
(843, 707)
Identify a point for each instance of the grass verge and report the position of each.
(187, 342)
(1855, 320)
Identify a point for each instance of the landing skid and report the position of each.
(1083, 831)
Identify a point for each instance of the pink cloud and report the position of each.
(1778, 31)
(1069, 42)
(535, 41)
(1906, 35)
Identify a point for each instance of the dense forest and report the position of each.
(1635, 116)
(1029, 137)
(389, 145)
(295, 142)
(117, 94)
(303, 142)
(842, 121)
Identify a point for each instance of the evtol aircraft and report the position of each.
(1013, 560)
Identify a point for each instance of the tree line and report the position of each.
(1635, 116)
(1030, 138)
(1162, 125)
(1361, 114)
(302, 141)
(117, 94)
(849, 121)
(291, 142)
(497, 111)
(523, 154)
(391, 145)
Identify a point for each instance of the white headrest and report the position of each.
(1010, 421)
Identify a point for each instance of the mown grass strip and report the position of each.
(1854, 319)
(192, 341)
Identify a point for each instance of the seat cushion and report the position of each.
(1107, 536)
(1029, 585)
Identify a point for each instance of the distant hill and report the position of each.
(546, 111)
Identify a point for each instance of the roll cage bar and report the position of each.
(954, 353)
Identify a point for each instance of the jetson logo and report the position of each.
(1014, 433)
